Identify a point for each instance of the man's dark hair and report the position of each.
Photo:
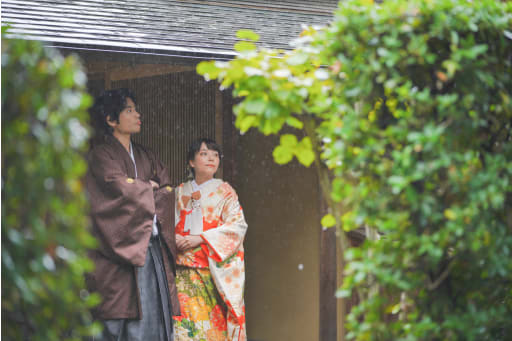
(195, 146)
(109, 103)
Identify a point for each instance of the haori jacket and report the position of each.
(122, 209)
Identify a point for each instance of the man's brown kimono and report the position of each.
(123, 206)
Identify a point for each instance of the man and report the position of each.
(132, 213)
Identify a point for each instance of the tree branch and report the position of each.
(325, 181)
(434, 285)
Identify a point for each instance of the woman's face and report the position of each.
(205, 163)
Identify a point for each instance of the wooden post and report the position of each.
(341, 302)
(229, 138)
(219, 124)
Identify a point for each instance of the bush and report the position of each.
(430, 154)
(44, 210)
(412, 122)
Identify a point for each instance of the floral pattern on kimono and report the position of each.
(222, 252)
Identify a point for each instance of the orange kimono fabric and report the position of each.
(215, 269)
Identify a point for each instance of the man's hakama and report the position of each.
(156, 310)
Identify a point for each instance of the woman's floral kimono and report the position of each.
(210, 278)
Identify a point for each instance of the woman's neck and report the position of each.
(201, 179)
(124, 139)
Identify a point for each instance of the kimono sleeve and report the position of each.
(177, 212)
(226, 240)
(122, 208)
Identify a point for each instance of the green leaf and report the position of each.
(255, 105)
(232, 75)
(246, 123)
(272, 111)
(289, 141)
(450, 214)
(305, 157)
(306, 143)
(304, 152)
(451, 67)
(247, 34)
(477, 50)
(66, 78)
(282, 155)
(328, 220)
(294, 122)
(283, 95)
(243, 93)
(243, 46)
(206, 67)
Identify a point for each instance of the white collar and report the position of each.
(196, 187)
(133, 159)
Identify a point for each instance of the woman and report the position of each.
(210, 229)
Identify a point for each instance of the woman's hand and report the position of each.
(154, 184)
(187, 242)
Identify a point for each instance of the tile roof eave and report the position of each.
(133, 48)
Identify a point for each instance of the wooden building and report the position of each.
(152, 47)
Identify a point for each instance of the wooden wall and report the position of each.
(281, 205)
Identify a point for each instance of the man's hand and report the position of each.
(187, 242)
(154, 184)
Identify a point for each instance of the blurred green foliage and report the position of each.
(407, 110)
(44, 209)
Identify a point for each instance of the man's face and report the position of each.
(129, 120)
